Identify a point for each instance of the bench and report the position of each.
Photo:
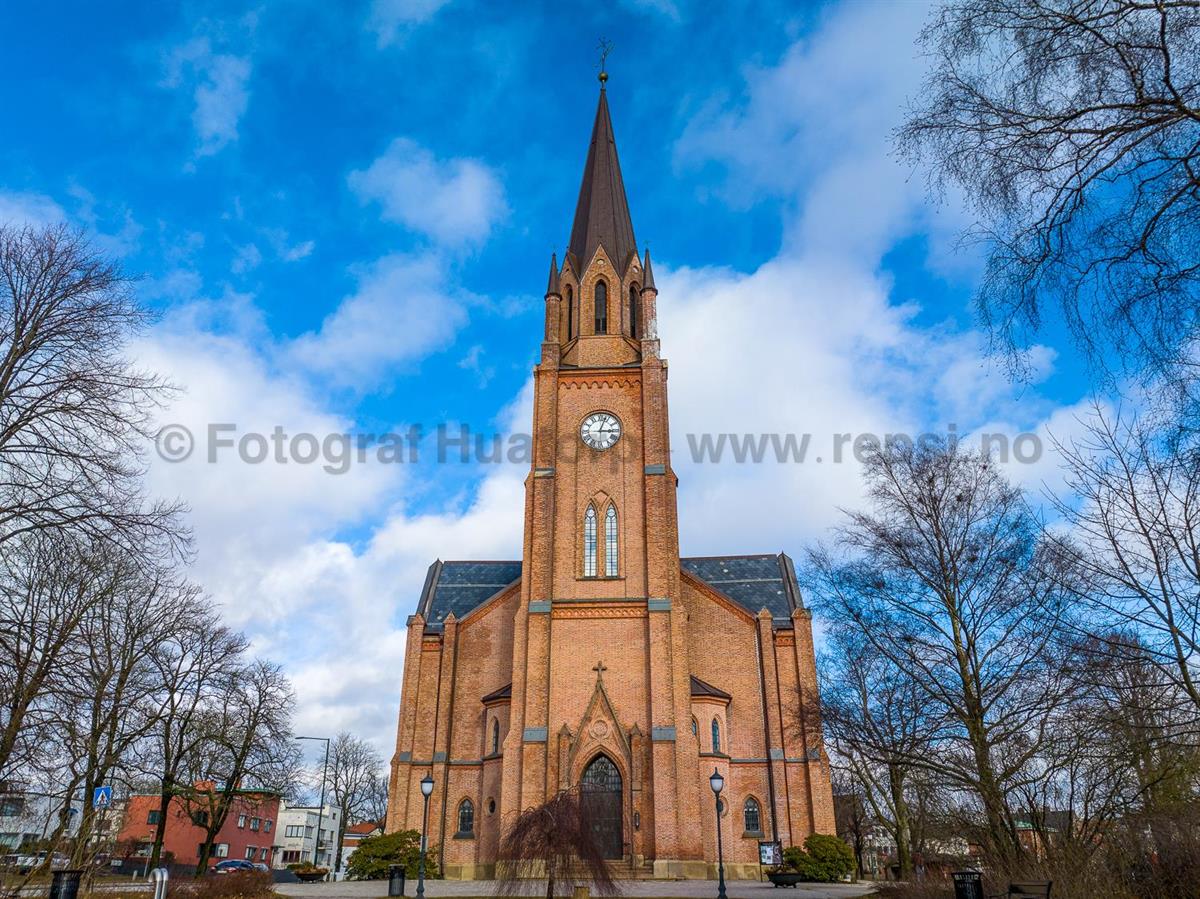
(1028, 889)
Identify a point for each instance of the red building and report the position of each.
(248, 832)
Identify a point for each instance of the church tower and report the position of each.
(602, 660)
(601, 552)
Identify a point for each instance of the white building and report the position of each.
(28, 818)
(296, 835)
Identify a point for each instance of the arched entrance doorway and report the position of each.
(601, 785)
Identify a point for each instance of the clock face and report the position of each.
(600, 430)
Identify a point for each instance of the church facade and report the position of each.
(602, 659)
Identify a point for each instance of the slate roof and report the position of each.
(753, 582)
(602, 211)
(459, 587)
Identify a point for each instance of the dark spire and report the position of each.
(552, 287)
(602, 213)
(648, 274)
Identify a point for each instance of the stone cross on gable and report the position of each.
(599, 669)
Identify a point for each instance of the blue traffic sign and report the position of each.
(102, 797)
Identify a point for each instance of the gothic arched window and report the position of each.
(570, 313)
(601, 307)
(716, 735)
(752, 816)
(466, 817)
(610, 542)
(633, 311)
(495, 737)
(589, 542)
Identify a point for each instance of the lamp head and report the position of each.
(426, 785)
(716, 781)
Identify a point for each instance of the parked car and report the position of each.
(234, 866)
(24, 862)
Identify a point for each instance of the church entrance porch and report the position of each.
(602, 790)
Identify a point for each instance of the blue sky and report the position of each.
(344, 214)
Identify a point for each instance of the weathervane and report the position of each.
(605, 47)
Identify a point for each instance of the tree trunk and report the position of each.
(160, 829)
(900, 805)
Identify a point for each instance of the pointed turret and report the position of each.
(602, 212)
(648, 274)
(552, 287)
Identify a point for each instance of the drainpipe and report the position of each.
(762, 685)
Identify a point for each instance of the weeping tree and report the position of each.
(554, 840)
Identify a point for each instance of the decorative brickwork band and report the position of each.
(776, 755)
(539, 607)
(404, 757)
(439, 756)
(535, 735)
(659, 605)
(664, 734)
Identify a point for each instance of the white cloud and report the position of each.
(247, 258)
(28, 208)
(391, 20)
(270, 536)
(405, 308)
(218, 84)
(454, 201)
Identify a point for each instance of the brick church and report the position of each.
(602, 658)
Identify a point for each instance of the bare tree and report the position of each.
(74, 413)
(195, 663)
(46, 590)
(248, 747)
(108, 705)
(553, 840)
(375, 806)
(877, 720)
(354, 766)
(947, 576)
(1135, 517)
(1073, 127)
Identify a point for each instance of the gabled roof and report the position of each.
(703, 688)
(602, 211)
(752, 582)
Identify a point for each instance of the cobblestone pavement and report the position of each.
(676, 889)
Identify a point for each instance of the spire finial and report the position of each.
(605, 47)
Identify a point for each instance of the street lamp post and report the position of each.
(717, 782)
(426, 790)
(321, 807)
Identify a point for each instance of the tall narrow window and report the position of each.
(570, 313)
(716, 735)
(610, 542)
(752, 815)
(466, 817)
(601, 307)
(589, 542)
(633, 311)
(495, 737)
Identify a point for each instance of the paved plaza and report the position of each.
(675, 889)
